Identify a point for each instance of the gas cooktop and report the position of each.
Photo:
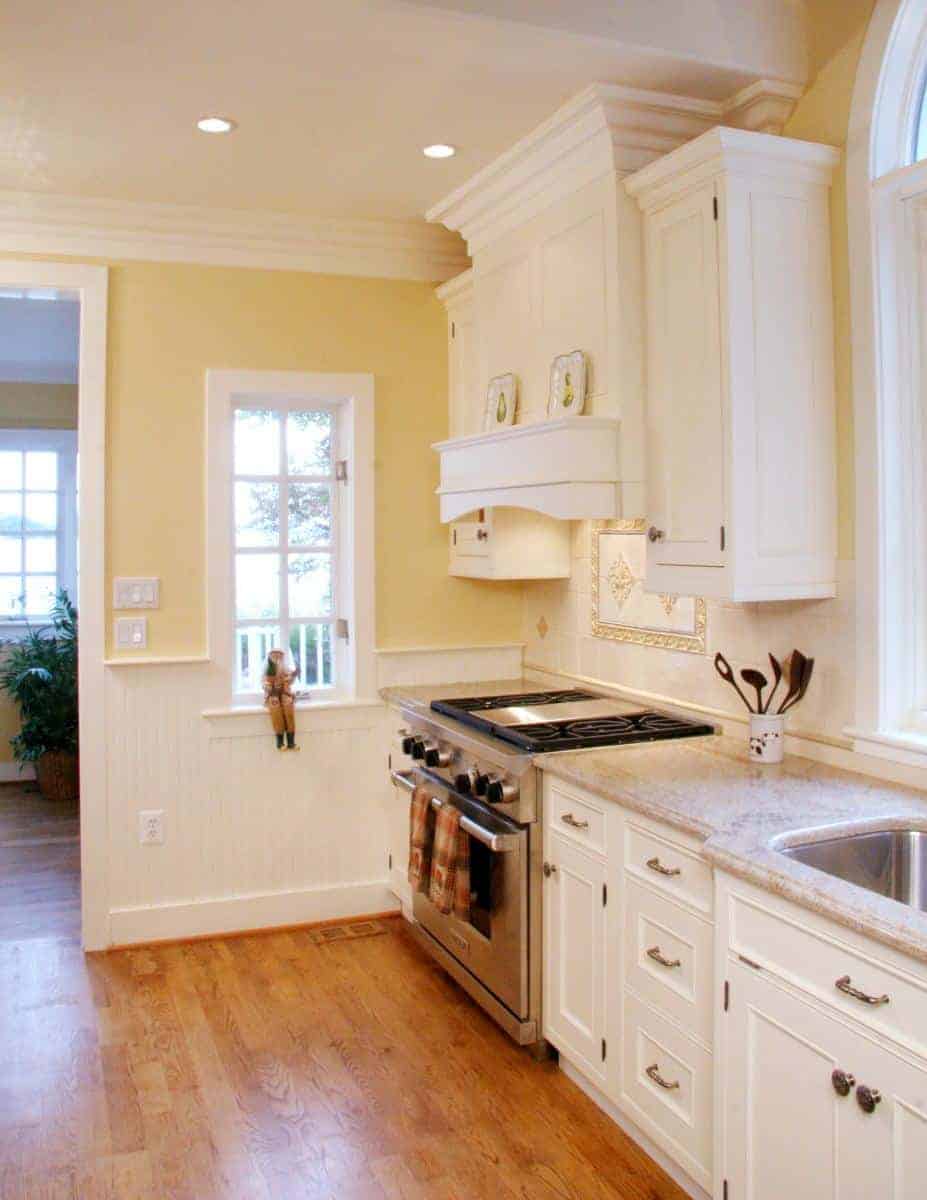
(542, 722)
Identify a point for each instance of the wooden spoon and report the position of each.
(723, 667)
(805, 680)
(777, 677)
(796, 671)
(757, 680)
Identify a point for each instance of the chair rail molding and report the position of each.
(31, 222)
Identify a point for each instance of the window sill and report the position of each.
(313, 718)
(249, 709)
(908, 746)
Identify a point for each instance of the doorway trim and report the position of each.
(90, 283)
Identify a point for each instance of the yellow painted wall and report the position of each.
(837, 29)
(169, 322)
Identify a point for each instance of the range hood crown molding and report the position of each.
(605, 128)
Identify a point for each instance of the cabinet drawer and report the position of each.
(664, 864)
(580, 820)
(815, 961)
(668, 959)
(470, 539)
(668, 1081)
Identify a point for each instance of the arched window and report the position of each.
(887, 218)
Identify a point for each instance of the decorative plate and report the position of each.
(501, 402)
(567, 385)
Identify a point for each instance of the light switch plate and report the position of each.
(131, 633)
(136, 593)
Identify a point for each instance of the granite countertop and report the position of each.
(708, 787)
(421, 696)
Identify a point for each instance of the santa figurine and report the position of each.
(279, 699)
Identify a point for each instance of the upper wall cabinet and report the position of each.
(740, 423)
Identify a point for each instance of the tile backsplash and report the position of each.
(557, 631)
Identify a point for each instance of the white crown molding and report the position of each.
(605, 128)
(38, 223)
(736, 150)
(457, 290)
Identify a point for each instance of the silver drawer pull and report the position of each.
(569, 819)
(654, 953)
(843, 985)
(655, 865)
(653, 1073)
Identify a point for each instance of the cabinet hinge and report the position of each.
(723, 537)
(727, 994)
(604, 1048)
(389, 762)
(715, 206)
(342, 629)
(390, 861)
(341, 470)
(455, 537)
(724, 1191)
(604, 894)
(453, 329)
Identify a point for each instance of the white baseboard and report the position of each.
(10, 773)
(230, 914)
(399, 886)
(660, 1157)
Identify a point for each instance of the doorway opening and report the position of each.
(39, 620)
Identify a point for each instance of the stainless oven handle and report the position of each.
(403, 779)
(499, 843)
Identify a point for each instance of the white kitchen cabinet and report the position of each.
(575, 953)
(740, 425)
(510, 543)
(788, 1131)
(788, 1026)
(457, 298)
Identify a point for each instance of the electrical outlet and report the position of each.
(151, 827)
(131, 633)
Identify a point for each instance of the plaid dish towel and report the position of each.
(450, 865)
(421, 838)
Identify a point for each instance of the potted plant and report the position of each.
(39, 671)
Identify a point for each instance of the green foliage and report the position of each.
(39, 672)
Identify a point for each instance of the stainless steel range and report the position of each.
(477, 753)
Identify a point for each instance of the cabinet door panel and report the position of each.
(685, 432)
(574, 959)
(781, 1116)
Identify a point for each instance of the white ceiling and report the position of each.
(335, 98)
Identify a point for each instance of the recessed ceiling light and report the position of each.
(215, 125)
(439, 150)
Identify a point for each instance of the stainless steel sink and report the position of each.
(892, 862)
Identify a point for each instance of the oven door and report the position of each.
(493, 943)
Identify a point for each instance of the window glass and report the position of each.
(285, 548)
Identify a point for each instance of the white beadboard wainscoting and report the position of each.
(252, 837)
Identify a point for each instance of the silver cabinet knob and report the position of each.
(655, 535)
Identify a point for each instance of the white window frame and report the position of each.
(351, 397)
(64, 443)
(885, 214)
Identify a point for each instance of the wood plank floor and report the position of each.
(39, 864)
(278, 1066)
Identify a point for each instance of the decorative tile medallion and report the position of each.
(542, 628)
(623, 611)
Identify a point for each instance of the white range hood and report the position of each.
(564, 468)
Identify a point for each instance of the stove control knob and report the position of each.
(500, 792)
(462, 784)
(408, 742)
(418, 748)
(436, 756)
(480, 784)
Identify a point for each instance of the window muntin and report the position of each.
(38, 521)
(285, 541)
